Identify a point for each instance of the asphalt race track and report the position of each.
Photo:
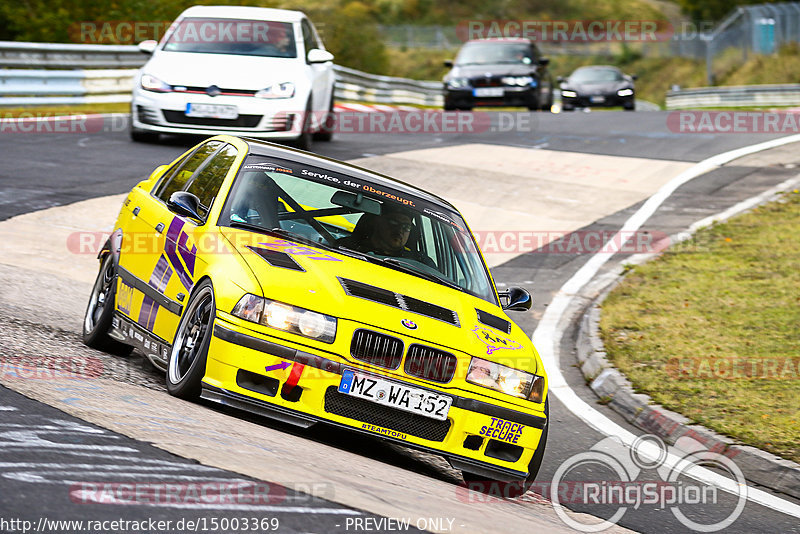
(579, 172)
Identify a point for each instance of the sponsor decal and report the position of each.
(383, 431)
(294, 249)
(494, 341)
(268, 167)
(503, 430)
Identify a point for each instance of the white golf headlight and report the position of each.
(151, 83)
(278, 90)
(285, 317)
(625, 92)
(505, 379)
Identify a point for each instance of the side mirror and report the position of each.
(448, 63)
(561, 79)
(148, 47)
(544, 61)
(185, 204)
(634, 77)
(518, 299)
(315, 55)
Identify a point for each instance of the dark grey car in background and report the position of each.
(498, 72)
(597, 86)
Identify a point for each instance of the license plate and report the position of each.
(597, 99)
(212, 111)
(395, 395)
(488, 91)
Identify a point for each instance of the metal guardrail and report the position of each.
(735, 96)
(100, 77)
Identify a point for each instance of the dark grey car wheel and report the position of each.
(100, 311)
(187, 360)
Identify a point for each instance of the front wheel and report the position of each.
(327, 125)
(303, 141)
(100, 311)
(187, 360)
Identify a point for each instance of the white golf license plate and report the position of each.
(597, 99)
(488, 91)
(212, 111)
(395, 395)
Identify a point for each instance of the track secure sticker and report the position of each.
(495, 341)
(503, 430)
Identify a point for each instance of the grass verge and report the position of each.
(712, 329)
(66, 109)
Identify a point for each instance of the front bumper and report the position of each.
(527, 96)
(594, 101)
(474, 437)
(165, 113)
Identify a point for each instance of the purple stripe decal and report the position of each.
(173, 237)
(147, 308)
(187, 255)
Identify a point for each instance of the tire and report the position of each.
(187, 359)
(519, 487)
(303, 141)
(548, 106)
(328, 125)
(143, 136)
(100, 311)
(630, 107)
(567, 108)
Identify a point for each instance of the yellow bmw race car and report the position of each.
(310, 290)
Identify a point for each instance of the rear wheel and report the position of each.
(100, 311)
(187, 361)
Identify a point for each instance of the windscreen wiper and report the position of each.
(405, 267)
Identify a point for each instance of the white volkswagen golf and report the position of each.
(248, 71)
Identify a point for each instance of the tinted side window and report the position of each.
(206, 183)
(178, 178)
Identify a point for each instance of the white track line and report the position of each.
(547, 336)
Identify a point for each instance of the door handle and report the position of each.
(160, 227)
(136, 210)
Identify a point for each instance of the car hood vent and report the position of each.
(277, 259)
(396, 300)
(494, 321)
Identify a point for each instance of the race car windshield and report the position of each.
(596, 76)
(493, 53)
(364, 220)
(233, 36)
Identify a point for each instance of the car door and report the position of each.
(150, 248)
(321, 73)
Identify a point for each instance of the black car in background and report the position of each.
(498, 72)
(597, 86)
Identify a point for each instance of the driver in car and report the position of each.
(388, 235)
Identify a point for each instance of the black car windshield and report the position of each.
(233, 36)
(365, 220)
(596, 76)
(493, 53)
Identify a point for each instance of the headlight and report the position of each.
(625, 92)
(506, 380)
(279, 90)
(151, 83)
(458, 83)
(569, 94)
(518, 80)
(285, 317)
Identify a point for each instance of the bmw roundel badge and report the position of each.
(408, 323)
